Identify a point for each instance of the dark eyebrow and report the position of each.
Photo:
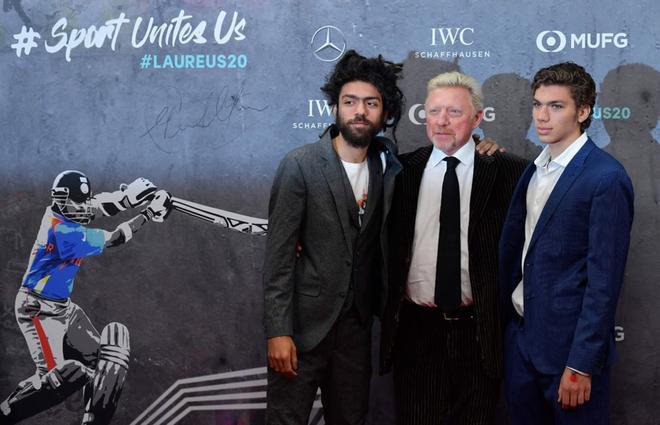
(352, 96)
(551, 102)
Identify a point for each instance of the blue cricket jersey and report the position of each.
(57, 254)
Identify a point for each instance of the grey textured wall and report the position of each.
(189, 292)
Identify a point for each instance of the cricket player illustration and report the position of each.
(52, 323)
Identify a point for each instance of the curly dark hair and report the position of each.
(576, 78)
(377, 71)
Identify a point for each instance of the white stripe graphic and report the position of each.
(179, 396)
(247, 406)
(195, 380)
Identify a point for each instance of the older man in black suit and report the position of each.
(441, 329)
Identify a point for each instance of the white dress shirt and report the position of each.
(420, 287)
(543, 181)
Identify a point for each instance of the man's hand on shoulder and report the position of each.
(574, 389)
(486, 146)
(282, 357)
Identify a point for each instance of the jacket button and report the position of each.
(348, 262)
(342, 294)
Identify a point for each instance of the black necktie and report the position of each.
(448, 266)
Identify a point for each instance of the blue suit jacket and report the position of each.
(574, 265)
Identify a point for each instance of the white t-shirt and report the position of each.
(358, 175)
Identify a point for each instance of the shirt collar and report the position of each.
(465, 155)
(543, 160)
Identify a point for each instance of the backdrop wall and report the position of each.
(205, 97)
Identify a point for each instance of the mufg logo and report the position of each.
(556, 41)
(417, 114)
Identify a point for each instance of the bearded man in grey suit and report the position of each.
(332, 197)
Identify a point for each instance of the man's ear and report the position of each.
(334, 110)
(583, 113)
(477, 119)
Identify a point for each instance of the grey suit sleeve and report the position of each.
(286, 210)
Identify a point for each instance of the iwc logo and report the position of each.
(328, 43)
(451, 43)
(318, 117)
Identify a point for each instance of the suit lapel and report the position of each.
(572, 171)
(375, 186)
(334, 176)
(485, 173)
(519, 198)
(392, 169)
(349, 196)
(411, 179)
(513, 235)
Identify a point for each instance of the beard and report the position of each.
(357, 137)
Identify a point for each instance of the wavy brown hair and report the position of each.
(576, 78)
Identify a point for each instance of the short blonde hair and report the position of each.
(456, 79)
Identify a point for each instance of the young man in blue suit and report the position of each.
(562, 257)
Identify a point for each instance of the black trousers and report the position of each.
(340, 366)
(438, 374)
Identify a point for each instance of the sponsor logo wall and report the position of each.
(204, 98)
(556, 41)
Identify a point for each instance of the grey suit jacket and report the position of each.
(308, 204)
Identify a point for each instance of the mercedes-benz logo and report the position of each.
(328, 43)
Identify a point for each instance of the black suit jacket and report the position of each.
(493, 182)
(312, 203)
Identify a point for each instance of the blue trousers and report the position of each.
(532, 396)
